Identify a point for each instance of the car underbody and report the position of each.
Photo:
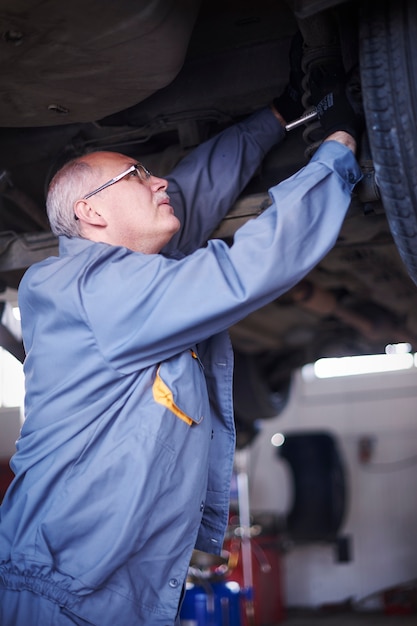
(155, 79)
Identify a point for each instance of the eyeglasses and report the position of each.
(140, 170)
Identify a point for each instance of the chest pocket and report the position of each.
(181, 388)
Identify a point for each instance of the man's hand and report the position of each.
(345, 138)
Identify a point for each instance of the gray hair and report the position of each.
(68, 185)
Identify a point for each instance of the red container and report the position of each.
(6, 477)
(267, 593)
(400, 601)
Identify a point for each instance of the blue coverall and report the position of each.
(124, 461)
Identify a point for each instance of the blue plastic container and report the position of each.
(214, 604)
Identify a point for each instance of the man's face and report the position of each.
(133, 212)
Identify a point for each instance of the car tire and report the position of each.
(388, 66)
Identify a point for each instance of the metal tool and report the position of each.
(306, 117)
(241, 464)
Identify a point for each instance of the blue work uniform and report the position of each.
(124, 461)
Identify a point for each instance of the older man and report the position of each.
(124, 461)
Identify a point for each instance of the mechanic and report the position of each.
(124, 461)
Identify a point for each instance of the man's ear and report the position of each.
(85, 212)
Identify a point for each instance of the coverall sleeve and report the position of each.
(167, 305)
(206, 183)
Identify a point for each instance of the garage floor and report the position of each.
(303, 618)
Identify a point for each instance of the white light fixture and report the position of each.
(277, 440)
(366, 364)
(398, 348)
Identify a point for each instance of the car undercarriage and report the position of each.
(155, 79)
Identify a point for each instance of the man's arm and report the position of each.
(206, 183)
(169, 305)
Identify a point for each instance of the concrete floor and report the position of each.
(351, 618)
